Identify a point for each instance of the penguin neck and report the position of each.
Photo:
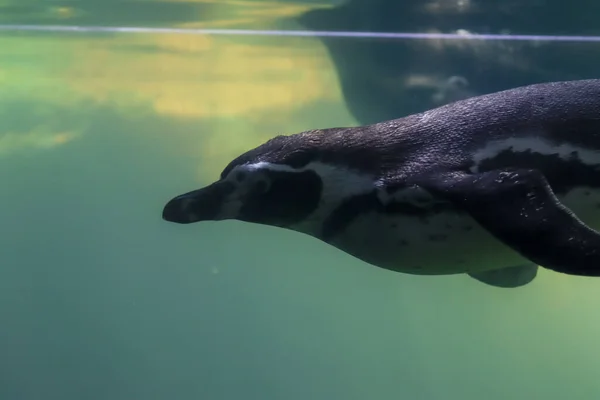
(342, 188)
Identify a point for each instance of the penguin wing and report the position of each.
(520, 209)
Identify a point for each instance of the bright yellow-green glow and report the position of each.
(241, 81)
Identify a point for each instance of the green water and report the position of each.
(102, 300)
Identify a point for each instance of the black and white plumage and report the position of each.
(491, 186)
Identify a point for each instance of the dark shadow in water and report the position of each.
(386, 79)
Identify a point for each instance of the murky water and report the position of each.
(101, 299)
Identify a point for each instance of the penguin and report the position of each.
(491, 186)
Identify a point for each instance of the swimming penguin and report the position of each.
(491, 186)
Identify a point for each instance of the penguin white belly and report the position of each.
(446, 243)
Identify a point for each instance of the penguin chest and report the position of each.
(446, 243)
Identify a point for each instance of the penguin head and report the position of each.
(281, 183)
(259, 192)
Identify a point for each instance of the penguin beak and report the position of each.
(199, 205)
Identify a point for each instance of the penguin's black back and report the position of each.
(448, 137)
(559, 111)
(536, 123)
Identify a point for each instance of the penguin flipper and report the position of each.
(520, 209)
(511, 277)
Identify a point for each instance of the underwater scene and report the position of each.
(110, 108)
